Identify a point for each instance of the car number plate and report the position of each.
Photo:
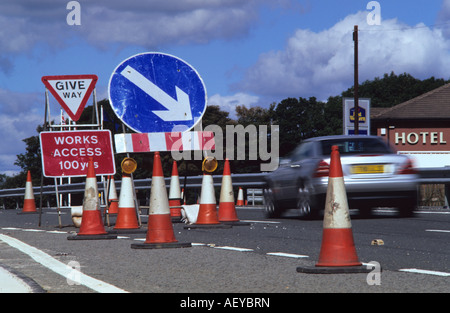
(367, 169)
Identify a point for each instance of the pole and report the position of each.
(356, 100)
(46, 112)
(185, 181)
(58, 203)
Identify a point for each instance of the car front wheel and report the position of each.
(270, 206)
(306, 202)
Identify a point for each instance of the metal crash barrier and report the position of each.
(253, 180)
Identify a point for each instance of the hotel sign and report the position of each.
(423, 137)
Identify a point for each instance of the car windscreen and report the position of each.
(349, 146)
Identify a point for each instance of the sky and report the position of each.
(248, 52)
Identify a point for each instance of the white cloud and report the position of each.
(16, 103)
(150, 24)
(229, 103)
(7, 164)
(115, 24)
(320, 64)
(20, 114)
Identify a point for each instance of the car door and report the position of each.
(296, 170)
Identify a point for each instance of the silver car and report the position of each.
(374, 175)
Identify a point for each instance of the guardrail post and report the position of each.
(446, 194)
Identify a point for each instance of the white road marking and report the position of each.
(35, 230)
(438, 230)
(288, 255)
(263, 222)
(59, 267)
(11, 283)
(56, 232)
(100, 286)
(419, 271)
(233, 248)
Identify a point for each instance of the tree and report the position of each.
(215, 116)
(302, 118)
(393, 89)
(250, 120)
(31, 159)
(254, 115)
(333, 116)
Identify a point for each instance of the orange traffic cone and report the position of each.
(207, 213)
(175, 194)
(29, 205)
(126, 220)
(114, 201)
(227, 209)
(338, 252)
(240, 199)
(160, 232)
(91, 222)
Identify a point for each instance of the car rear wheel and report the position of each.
(303, 202)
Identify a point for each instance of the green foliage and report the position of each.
(31, 159)
(393, 89)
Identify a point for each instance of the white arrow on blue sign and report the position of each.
(157, 92)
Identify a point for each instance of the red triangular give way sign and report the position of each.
(71, 91)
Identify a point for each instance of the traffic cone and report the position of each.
(207, 213)
(113, 200)
(175, 195)
(338, 252)
(240, 199)
(29, 205)
(160, 232)
(91, 222)
(227, 209)
(126, 220)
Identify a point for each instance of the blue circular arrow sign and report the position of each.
(156, 92)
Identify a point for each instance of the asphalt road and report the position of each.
(258, 258)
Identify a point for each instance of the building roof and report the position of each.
(434, 104)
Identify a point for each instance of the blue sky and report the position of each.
(248, 52)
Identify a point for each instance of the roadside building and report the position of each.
(419, 128)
